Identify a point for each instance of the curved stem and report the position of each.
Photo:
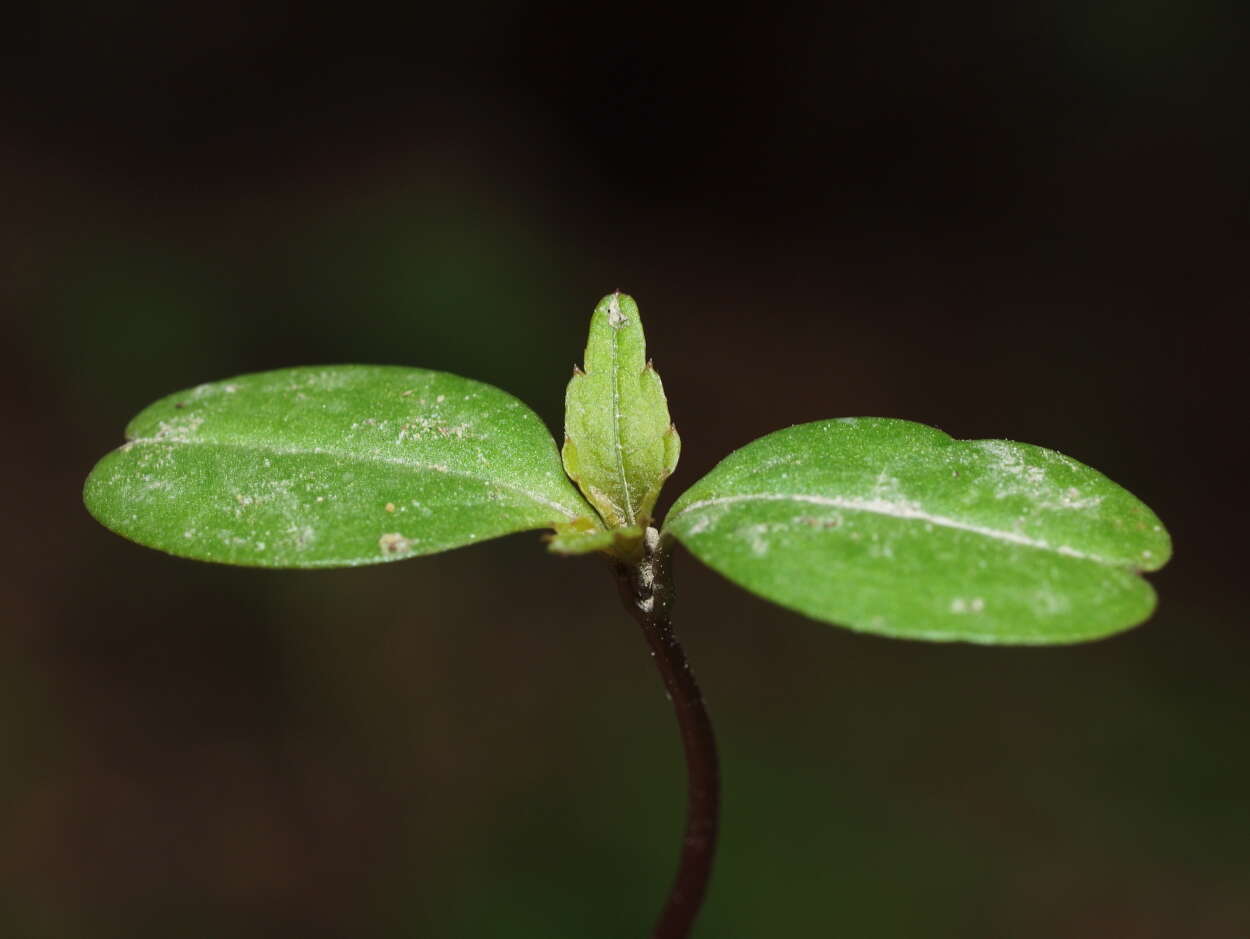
(647, 592)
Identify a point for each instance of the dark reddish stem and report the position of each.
(647, 591)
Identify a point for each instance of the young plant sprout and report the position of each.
(876, 524)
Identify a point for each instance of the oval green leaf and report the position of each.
(332, 466)
(895, 528)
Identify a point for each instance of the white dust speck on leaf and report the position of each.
(967, 604)
(881, 549)
(209, 390)
(301, 536)
(756, 537)
(1048, 603)
(178, 429)
(616, 319)
(151, 483)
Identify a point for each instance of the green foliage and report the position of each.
(619, 444)
(895, 528)
(336, 466)
(880, 525)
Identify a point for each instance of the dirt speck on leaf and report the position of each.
(832, 521)
(394, 543)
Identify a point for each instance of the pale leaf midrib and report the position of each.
(438, 468)
(617, 443)
(896, 510)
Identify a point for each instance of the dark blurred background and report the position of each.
(1025, 220)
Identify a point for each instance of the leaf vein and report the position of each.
(900, 510)
(393, 461)
(616, 426)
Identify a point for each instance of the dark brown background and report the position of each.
(1020, 220)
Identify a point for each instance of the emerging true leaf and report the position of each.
(895, 528)
(620, 444)
(334, 466)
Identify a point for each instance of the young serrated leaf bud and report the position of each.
(619, 442)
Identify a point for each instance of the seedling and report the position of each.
(879, 525)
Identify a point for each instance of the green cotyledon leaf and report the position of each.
(620, 444)
(333, 466)
(895, 528)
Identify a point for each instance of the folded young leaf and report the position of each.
(895, 528)
(334, 466)
(619, 443)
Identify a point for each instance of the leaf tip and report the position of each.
(618, 308)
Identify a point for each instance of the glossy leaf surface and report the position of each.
(895, 528)
(333, 466)
(620, 444)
